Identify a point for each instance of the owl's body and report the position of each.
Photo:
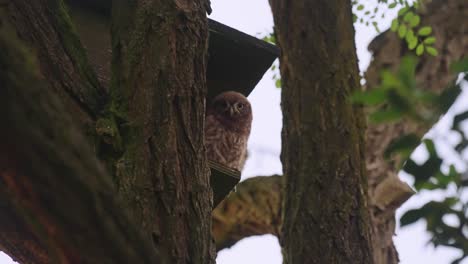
(223, 145)
(227, 129)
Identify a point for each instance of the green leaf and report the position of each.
(420, 49)
(448, 96)
(402, 30)
(460, 66)
(412, 43)
(411, 39)
(422, 173)
(411, 216)
(449, 202)
(389, 80)
(429, 40)
(403, 10)
(444, 180)
(376, 26)
(278, 83)
(425, 31)
(392, 5)
(406, 71)
(399, 102)
(381, 116)
(430, 146)
(432, 212)
(406, 143)
(460, 147)
(410, 35)
(458, 119)
(269, 38)
(395, 25)
(360, 7)
(426, 97)
(408, 16)
(432, 51)
(415, 20)
(372, 97)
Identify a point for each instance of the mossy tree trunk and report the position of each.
(325, 212)
(158, 89)
(58, 203)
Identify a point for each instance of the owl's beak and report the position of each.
(233, 110)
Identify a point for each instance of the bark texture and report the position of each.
(326, 218)
(158, 88)
(253, 209)
(44, 29)
(58, 204)
(62, 201)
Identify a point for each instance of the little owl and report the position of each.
(227, 128)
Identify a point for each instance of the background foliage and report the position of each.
(398, 96)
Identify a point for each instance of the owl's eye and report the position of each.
(240, 106)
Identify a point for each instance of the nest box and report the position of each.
(236, 62)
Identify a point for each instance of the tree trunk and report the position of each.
(44, 28)
(58, 204)
(55, 193)
(158, 91)
(326, 218)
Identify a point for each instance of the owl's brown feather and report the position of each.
(227, 129)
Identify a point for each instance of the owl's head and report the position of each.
(231, 105)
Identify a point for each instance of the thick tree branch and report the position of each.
(253, 209)
(52, 184)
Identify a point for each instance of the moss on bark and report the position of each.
(158, 89)
(62, 201)
(150, 135)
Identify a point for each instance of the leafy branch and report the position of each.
(398, 96)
